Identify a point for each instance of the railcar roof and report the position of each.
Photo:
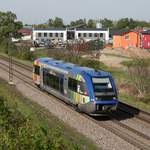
(72, 68)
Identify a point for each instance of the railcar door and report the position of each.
(61, 84)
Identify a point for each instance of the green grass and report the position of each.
(134, 101)
(117, 55)
(30, 110)
(40, 53)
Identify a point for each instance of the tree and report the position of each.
(143, 24)
(122, 23)
(91, 23)
(106, 23)
(8, 25)
(132, 23)
(50, 22)
(58, 22)
(139, 76)
(78, 22)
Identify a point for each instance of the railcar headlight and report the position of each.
(96, 98)
(92, 99)
(114, 97)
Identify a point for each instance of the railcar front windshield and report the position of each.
(102, 84)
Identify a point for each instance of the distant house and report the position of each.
(145, 39)
(26, 34)
(131, 39)
(126, 39)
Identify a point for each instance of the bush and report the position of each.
(139, 73)
(75, 57)
(18, 132)
(23, 52)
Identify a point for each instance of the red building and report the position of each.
(132, 39)
(145, 39)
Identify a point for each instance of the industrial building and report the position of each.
(64, 34)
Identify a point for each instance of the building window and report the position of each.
(90, 34)
(85, 35)
(79, 34)
(95, 35)
(45, 34)
(39, 34)
(101, 35)
(50, 34)
(56, 34)
(61, 34)
(126, 37)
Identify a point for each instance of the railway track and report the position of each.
(130, 135)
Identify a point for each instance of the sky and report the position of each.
(39, 11)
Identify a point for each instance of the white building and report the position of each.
(92, 34)
(66, 34)
(49, 33)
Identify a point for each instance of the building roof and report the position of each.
(118, 31)
(25, 31)
(124, 31)
(146, 32)
(91, 29)
(50, 29)
(72, 68)
(77, 29)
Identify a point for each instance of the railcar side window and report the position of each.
(72, 84)
(51, 80)
(77, 86)
(37, 70)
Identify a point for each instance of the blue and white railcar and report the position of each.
(92, 91)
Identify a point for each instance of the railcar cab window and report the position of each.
(102, 85)
(36, 69)
(77, 86)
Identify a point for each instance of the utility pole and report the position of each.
(10, 63)
(10, 69)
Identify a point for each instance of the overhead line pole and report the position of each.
(10, 64)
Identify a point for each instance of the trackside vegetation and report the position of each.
(23, 127)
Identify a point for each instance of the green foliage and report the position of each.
(19, 132)
(58, 22)
(74, 57)
(7, 47)
(91, 23)
(50, 23)
(94, 45)
(23, 52)
(92, 64)
(8, 25)
(131, 23)
(78, 22)
(122, 23)
(107, 23)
